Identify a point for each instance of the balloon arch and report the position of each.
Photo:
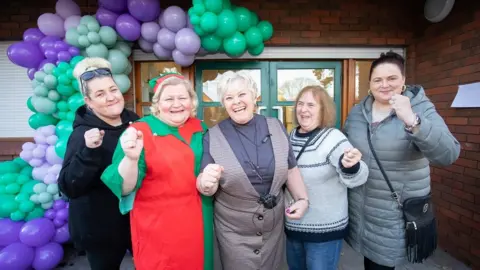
(33, 216)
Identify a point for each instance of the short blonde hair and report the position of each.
(327, 110)
(228, 77)
(89, 64)
(173, 81)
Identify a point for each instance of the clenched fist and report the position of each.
(93, 137)
(208, 182)
(351, 157)
(132, 143)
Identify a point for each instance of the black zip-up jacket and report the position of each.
(94, 216)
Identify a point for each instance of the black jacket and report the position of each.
(94, 216)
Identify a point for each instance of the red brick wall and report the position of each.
(448, 54)
(11, 148)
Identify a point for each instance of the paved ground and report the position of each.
(350, 261)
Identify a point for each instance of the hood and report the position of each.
(416, 93)
(85, 117)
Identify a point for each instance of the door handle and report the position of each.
(280, 112)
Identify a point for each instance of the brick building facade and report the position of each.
(439, 56)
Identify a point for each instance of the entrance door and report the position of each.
(278, 85)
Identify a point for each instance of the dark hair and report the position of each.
(389, 58)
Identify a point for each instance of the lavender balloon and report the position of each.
(51, 156)
(67, 8)
(33, 35)
(166, 39)
(51, 24)
(182, 59)
(37, 232)
(150, 31)
(106, 17)
(128, 27)
(161, 22)
(16, 256)
(71, 22)
(187, 41)
(47, 256)
(144, 10)
(161, 52)
(145, 45)
(174, 18)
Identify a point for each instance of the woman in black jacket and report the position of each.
(95, 222)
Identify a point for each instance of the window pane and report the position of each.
(213, 115)
(150, 70)
(362, 70)
(210, 79)
(292, 81)
(146, 110)
(286, 115)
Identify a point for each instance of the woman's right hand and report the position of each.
(132, 143)
(208, 181)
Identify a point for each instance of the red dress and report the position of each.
(166, 219)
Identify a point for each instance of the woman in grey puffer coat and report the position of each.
(407, 134)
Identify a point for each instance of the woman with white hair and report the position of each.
(153, 175)
(95, 223)
(247, 159)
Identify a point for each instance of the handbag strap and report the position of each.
(394, 193)
(314, 133)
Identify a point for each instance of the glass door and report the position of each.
(278, 84)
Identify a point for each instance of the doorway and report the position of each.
(278, 84)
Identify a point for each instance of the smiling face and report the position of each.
(104, 98)
(175, 105)
(239, 102)
(308, 112)
(386, 80)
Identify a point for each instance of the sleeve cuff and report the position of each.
(352, 170)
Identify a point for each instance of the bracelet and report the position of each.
(304, 199)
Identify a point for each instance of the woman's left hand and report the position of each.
(403, 108)
(297, 209)
(351, 157)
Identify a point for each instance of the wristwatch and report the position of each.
(415, 123)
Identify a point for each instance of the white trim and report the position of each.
(295, 53)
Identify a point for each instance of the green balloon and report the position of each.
(197, 2)
(63, 129)
(243, 18)
(124, 48)
(12, 188)
(70, 116)
(61, 147)
(40, 120)
(30, 106)
(39, 76)
(83, 41)
(62, 115)
(27, 171)
(93, 37)
(227, 24)
(253, 37)
(227, 4)
(53, 95)
(36, 213)
(214, 6)
(63, 67)
(108, 36)
(28, 187)
(211, 43)
(123, 82)
(2, 190)
(44, 105)
(75, 60)
(97, 50)
(235, 45)
(21, 197)
(8, 178)
(208, 22)
(26, 206)
(75, 101)
(118, 60)
(256, 50)
(190, 11)
(63, 79)
(17, 216)
(20, 162)
(199, 9)
(22, 179)
(40, 91)
(69, 74)
(253, 18)
(72, 37)
(93, 26)
(266, 29)
(9, 167)
(62, 106)
(199, 30)
(195, 20)
(9, 206)
(75, 85)
(65, 90)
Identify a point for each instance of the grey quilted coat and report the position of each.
(376, 223)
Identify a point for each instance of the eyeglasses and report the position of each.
(88, 75)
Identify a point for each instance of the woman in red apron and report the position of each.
(154, 174)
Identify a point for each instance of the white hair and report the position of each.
(228, 77)
(88, 64)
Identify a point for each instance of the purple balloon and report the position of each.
(37, 232)
(33, 35)
(62, 235)
(51, 24)
(106, 17)
(144, 10)
(60, 46)
(16, 256)
(59, 204)
(161, 22)
(31, 73)
(181, 59)
(9, 231)
(62, 214)
(161, 52)
(52, 140)
(64, 56)
(128, 27)
(145, 45)
(38, 153)
(50, 179)
(29, 146)
(74, 51)
(166, 39)
(71, 22)
(174, 18)
(52, 157)
(51, 54)
(55, 169)
(46, 61)
(58, 222)
(39, 172)
(26, 155)
(150, 31)
(47, 256)
(187, 41)
(25, 54)
(117, 6)
(50, 214)
(67, 8)
(48, 42)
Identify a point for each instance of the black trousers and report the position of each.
(106, 258)
(369, 265)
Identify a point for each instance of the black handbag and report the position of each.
(419, 217)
